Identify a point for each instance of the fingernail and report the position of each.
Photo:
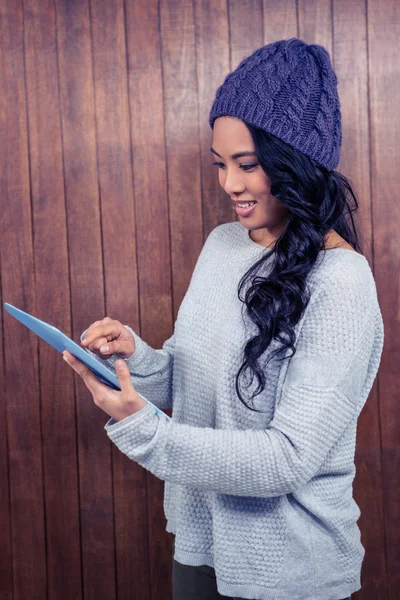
(104, 349)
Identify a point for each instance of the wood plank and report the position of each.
(212, 52)
(182, 141)
(280, 20)
(87, 290)
(349, 26)
(384, 92)
(21, 348)
(128, 153)
(315, 22)
(246, 29)
(6, 566)
(51, 268)
(153, 203)
(246, 34)
(179, 150)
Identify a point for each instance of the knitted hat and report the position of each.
(289, 89)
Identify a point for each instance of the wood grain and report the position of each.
(58, 416)
(108, 193)
(87, 295)
(351, 64)
(384, 93)
(21, 364)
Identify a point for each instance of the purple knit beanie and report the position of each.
(289, 89)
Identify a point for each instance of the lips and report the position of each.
(244, 212)
(242, 201)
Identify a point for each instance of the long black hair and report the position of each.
(317, 200)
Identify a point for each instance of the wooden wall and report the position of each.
(107, 195)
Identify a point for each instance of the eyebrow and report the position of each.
(237, 154)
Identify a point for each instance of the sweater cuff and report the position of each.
(141, 348)
(112, 426)
(137, 437)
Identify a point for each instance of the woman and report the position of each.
(275, 349)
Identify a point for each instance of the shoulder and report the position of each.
(342, 266)
(343, 313)
(343, 280)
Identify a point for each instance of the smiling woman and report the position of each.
(247, 182)
(280, 177)
(275, 349)
(290, 192)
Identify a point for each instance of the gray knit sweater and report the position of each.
(265, 498)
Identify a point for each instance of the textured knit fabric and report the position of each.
(289, 89)
(265, 498)
(198, 583)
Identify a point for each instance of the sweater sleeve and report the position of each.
(325, 387)
(151, 370)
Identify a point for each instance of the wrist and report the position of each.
(130, 408)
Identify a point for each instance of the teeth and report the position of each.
(245, 204)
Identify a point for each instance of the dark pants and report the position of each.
(197, 583)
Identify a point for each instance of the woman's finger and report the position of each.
(117, 404)
(124, 378)
(90, 379)
(131, 400)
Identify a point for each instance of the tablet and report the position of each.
(61, 342)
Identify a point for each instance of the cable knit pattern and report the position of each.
(289, 89)
(263, 497)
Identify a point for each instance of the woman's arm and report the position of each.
(326, 386)
(151, 370)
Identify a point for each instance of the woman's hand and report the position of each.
(108, 337)
(117, 404)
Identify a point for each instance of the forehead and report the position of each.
(230, 133)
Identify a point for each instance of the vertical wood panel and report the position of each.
(18, 287)
(146, 105)
(246, 35)
(350, 51)
(182, 140)
(246, 29)
(315, 22)
(181, 143)
(87, 289)
(6, 564)
(127, 234)
(6, 582)
(384, 89)
(280, 20)
(51, 267)
(212, 52)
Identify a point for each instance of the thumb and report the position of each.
(123, 374)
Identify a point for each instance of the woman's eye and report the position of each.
(244, 167)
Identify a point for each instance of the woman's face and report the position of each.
(244, 180)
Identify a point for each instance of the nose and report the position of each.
(232, 182)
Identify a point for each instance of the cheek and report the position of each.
(261, 189)
(261, 182)
(221, 177)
